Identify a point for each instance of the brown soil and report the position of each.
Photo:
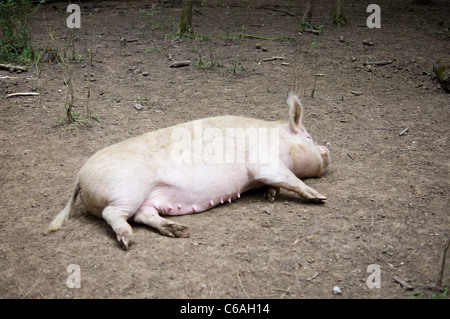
(388, 194)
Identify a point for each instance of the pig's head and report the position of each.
(306, 158)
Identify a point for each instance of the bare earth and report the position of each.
(388, 194)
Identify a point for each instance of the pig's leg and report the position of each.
(286, 179)
(117, 219)
(272, 193)
(148, 215)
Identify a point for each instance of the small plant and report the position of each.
(15, 25)
(64, 63)
(91, 50)
(445, 294)
(339, 19)
(235, 67)
(143, 101)
(147, 16)
(201, 64)
(313, 44)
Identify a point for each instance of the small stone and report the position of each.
(341, 39)
(442, 72)
(337, 290)
(138, 106)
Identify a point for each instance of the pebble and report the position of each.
(337, 290)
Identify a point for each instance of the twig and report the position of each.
(239, 278)
(317, 68)
(285, 291)
(12, 67)
(403, 283)
(210, 293)
(273, 58)
(385, 62)
(313, 31)
(278, 10)
(23, 94)
(178, 64)
(312, 277)
(243, 35)
(404, 131)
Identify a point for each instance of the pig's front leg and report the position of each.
(284, 178)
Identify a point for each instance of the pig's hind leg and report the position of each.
(117, 219)
(271, 193)
(149, 216)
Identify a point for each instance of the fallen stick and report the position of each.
(243, 35)
(273, 58)
(278, 10)
(12, 67)
(312, 277)
(385, 62)
(403, 132)
(240, 283)
(23, 94)
(403, 283)
(313, 31)
(178, 64)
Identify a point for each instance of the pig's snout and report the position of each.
(325, 153)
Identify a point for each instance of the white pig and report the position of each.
(194, 166)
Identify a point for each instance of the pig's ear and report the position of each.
(295, 113)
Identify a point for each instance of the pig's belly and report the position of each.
(196, 188)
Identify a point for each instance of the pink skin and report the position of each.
(140, 178)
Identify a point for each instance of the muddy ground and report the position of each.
(388, 193)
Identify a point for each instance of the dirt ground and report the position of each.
(388, 193)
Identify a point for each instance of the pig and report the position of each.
(195, 166)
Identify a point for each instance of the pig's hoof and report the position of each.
(312, 195)
(174, 230)
(125, 240)
(320, 200)
(317, 198)
(272, 193)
